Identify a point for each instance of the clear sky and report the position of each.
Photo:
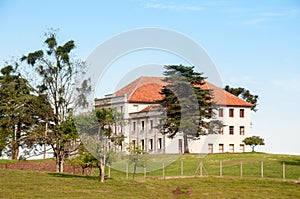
(254, 44)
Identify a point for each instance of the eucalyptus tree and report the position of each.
(56, 71)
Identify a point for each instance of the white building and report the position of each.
(136, 101)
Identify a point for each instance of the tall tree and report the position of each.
(187, 105)
(57, 72)
(21, 112)
(244, 94)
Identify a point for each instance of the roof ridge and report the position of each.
(237, 97)
(146, 89)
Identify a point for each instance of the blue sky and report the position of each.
(254, 44)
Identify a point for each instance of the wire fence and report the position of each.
(230, 168)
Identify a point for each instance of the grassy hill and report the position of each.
(34, 184)
(251, 163)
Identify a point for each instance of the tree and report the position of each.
(187, 105)
(135, 155)
(57, 72)
(21, 112)
(254, 141)
(245, 95)
(109, 120)
(98, 136)
(84, 159)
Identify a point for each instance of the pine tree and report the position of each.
(21, 113)
(186, 104)
(245, 95)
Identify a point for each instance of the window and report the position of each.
(242, 113)
(134, 142)
(242, 148)
(221, 112)
(231, 148)
(159, 143)
(150, 144)
(221, 148)
(231, 112)
(143, 144)
(134, 126)
(143, 125)
(121, 109)
(242, 130)
(151, 124)
(180, 146)
(221, 131)
(231, 130)
(210, 148)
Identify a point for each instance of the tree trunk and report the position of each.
(134, 167)
(59, 163)
(16, 143)
(15, 151)
(102, 171)
(101, 168)
(185, 143)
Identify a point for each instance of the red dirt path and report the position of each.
(45, 166)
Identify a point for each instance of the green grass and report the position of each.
(5, 161)
(231, 164)
(33, 184)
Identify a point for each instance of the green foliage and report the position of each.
(108, 119)
(57, 72)
(21, 112)
(98, 133)
(84, 159)
(187, 105)
(254, 141)
(245, 95)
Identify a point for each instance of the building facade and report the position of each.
(136, 102)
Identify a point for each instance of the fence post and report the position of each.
(182, 167)
(241, 169)
(201, 167)
(108, 171)
(283, 170)
(127, 170)
(145, 172)
(262, 169)
(220, 167)
(163, 170)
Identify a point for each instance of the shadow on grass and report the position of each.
(67, 175)
(294, 162)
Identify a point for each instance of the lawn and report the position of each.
(251, 163)
(33, 184)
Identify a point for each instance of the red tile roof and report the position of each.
(147, 90)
